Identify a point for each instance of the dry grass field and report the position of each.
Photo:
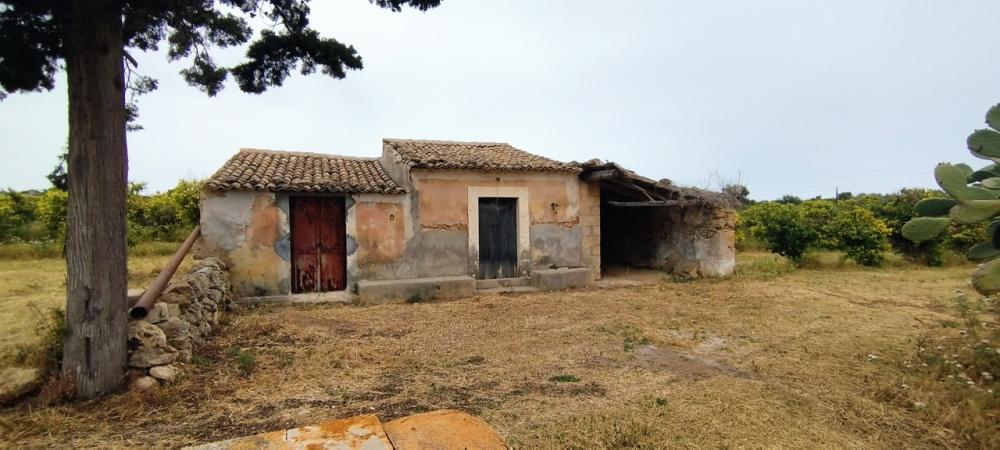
(770, 357)
(30, 287)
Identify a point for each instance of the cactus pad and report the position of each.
(934, 207)
(924, 229)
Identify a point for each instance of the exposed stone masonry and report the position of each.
(182, 318)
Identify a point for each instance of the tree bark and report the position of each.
(94, 355)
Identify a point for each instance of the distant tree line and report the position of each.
(863, 226)
(34, 217)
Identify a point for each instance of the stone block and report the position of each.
(416, 289)
(564, 278)
(442, 429)
(148, 345)
(162, 312)
(166, 373)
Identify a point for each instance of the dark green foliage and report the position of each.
(892, 210)
(739, 192)
(32, 44)
(245, 360)
(862, 236)
(820, 215)
(789, 200)
(565, 378)
(58, 176)
(782, 227)
(166, 216)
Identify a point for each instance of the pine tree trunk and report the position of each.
(94, 355)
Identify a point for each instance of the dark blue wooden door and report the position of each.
(497, 238)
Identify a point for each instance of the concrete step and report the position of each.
(503, 282)
(501, 290)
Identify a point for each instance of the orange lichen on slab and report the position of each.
(361, 433)
(445, 429)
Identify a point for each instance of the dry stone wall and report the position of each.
(182, 318)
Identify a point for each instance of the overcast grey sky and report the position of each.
(792, 96)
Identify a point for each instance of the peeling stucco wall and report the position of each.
(688, 241)
(553, 199)
(249, 231)
(423, 233)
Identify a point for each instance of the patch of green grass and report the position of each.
(565, 378)
(631, 336)
(660, 401)
(245, 360)
(762, 266)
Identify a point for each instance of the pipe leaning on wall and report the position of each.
(149, 297)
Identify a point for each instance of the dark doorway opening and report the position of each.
(319, 233)
(497, 238)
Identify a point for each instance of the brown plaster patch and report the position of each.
(381, 231)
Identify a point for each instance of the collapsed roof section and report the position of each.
(624, 188)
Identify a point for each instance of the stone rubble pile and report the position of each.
(180, 320)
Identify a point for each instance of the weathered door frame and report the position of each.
(292, 198)
(523, 224)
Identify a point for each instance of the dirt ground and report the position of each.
(765, 358)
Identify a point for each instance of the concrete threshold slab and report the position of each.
(313, 297)
(502, 282)
(503, 290)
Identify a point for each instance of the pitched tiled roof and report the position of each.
(267, 170)
(485, 156)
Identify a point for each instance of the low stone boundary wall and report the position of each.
(182, 318)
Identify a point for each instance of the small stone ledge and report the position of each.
(415, 289)
(345, 297)
(562, 278)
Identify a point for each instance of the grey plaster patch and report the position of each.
(349, 202)
(283, 247)
(225, 218)
(556, 245)
(282, 201)
(430, 253)
(352, 244)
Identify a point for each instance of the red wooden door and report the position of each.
(319, 259)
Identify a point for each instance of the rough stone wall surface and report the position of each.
(590, 224)
(690, 241)
(182, 318)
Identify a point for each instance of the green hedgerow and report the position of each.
(864, 237)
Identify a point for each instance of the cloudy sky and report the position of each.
(800, 97)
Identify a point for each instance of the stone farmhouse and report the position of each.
(432, 219)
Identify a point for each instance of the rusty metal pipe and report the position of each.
(152, 293)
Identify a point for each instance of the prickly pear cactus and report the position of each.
(974, 197)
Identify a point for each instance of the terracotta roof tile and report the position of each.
(267, 170)
(484, 156)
